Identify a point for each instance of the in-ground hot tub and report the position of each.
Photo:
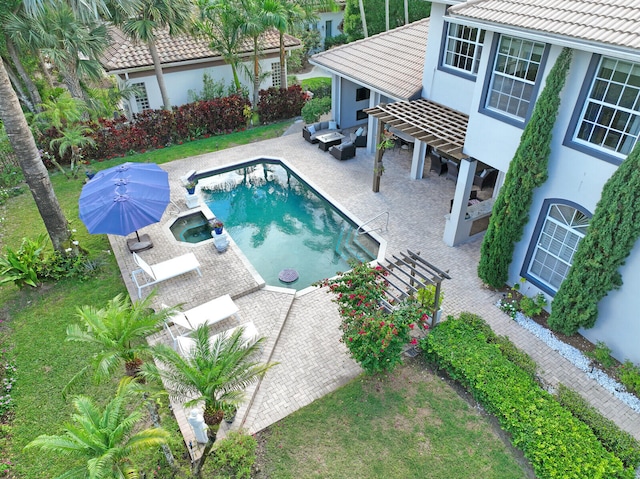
(191, 228)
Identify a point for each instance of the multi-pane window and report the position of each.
(561, 232)
(463, 47)
(611, 116)
(275, 74)
(142, 99)
(514, 76)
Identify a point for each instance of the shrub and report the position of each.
(602, 354)
(629, 375)
(279, 104)
(556, 443)
(319, 86)
(375, 338)
(22, 266)
(533, 306)
(616, 441)
(527, 171)
(612, 233)
(152, 129)
(336, 40)
(516, 356)
(314, 108)
(233, 457)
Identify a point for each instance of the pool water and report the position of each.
(279, 222)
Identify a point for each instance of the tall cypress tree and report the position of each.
(527, 171)
(611, 235)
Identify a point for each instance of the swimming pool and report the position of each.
(280, 222)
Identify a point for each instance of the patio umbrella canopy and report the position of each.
(125, 198)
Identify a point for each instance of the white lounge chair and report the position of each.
(208, 313)
(185, 344)
(164, 270)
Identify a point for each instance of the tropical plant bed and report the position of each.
(599, 356)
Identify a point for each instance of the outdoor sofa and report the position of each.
(313, 131)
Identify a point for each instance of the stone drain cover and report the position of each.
(288, 275)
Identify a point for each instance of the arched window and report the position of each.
(558, 234)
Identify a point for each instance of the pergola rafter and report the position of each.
(437, 125)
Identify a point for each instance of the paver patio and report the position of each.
(302, 329)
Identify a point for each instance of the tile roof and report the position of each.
(610, 22)
(390, 62)
(124, 54)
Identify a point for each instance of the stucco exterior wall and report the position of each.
(179, 83)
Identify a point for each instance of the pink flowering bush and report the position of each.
(375, 338)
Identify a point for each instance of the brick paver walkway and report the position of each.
(302, 330)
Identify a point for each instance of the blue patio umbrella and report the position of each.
(125, 198)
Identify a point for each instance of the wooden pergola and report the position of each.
(406, 274)
(437, 125)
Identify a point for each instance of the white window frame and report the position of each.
(514, 76)
(610, 117)
(142, 99)
(462, 45)
(562, 230)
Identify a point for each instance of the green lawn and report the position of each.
(410, 424)
(393, 428)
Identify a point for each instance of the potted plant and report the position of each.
(190, 186)
(229, 414)
(217, 226)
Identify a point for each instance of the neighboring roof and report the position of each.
(123, 54)
(611, 22)
(390, 62)
(437, 125)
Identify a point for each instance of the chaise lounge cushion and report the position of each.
(312, 132)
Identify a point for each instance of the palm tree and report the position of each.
(74, 138)
(106, 438)
(144, 24)
(285, 18)
(33, 169)
(220, 22)
(258, 16)
(216, 372)
(363, 18)
(71, 44)
(119, 331)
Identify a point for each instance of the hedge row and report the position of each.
(278, 104)
(556, 443)
(619, 442)
(152, 129)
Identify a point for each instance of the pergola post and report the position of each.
(377, 161)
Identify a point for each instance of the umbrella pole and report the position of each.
(138, 237)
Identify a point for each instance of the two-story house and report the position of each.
(485, 63)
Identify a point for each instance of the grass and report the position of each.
(395, 427)
(407, 425)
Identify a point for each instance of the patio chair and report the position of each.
(452, 170)
(185, 344)
(486, 177)
(438, 164)
(359, 137)
(165, 270)
(207, 313)
(343, 151)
